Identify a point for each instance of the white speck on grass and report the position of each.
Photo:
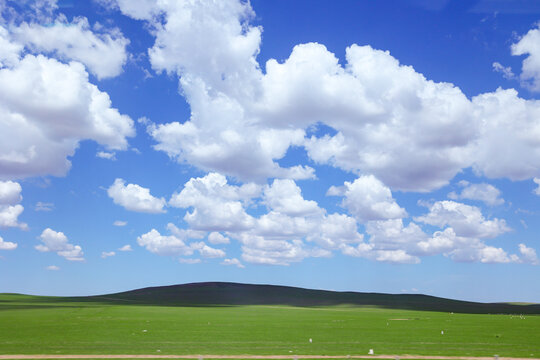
(144, 330)
(310, 340)
(370, 352)
(442, 332)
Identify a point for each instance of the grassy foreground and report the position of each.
(42, 325)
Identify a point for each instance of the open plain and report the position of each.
(120, 325)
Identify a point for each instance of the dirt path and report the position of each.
(255, 357)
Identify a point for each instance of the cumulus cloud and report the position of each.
(46, 109)
(9, 50)
(103, 53)
(486, 193)
(163, 245)
(206, 251)
(233, 262)
(177, 244)
(216, 238)
(369, 199)
(53, 241)
(528, 255)
(369, 115)
(293, 230)
(119, 223)
(216, 205)
(52, 268)
(10, 193)
(512, 121)
(275, 238)
(135, 198)
(10, 209)
(466, 220)
(530, 70)
(383, 118)
(6, 245)
(285, 197)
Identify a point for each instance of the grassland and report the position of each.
(43, 325)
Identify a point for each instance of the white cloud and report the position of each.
(487, 193)
(52, 268)
(233, 262)
(216, 205)
(125, 248)
(57, 242)
(285, 197)
(530, 71)
(537, 182)
(119, 223)
(391, 256)
(46, 109)
(189, 261)
(213, 48)
(159, 244)
(9, 216)
(528, 255)
(10, 196)
(6, 245)
(368, 199)
(9, 50)
(462, 249)
(510, 120)
(467, 221)
(106, 254)
(396, 256)
(103, 53)
(377, 118)
(380, 113)
(185, 233)
(206, 251)
(177, 244)
(483, 253)
(506, 71)
(292, 231)
(258, 250)
(216, 238)
(135, 198)
(393, 234)
(10, 193)
(106, 155)
(333, 231)
(44, 206)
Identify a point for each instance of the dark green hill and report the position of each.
(231, 294)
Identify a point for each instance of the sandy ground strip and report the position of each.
(255, 357)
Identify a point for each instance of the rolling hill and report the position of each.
(232, 294)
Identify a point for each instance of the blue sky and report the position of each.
(381, 146)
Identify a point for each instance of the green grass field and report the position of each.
(42, 325)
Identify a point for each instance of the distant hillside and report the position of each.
(230, 294)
